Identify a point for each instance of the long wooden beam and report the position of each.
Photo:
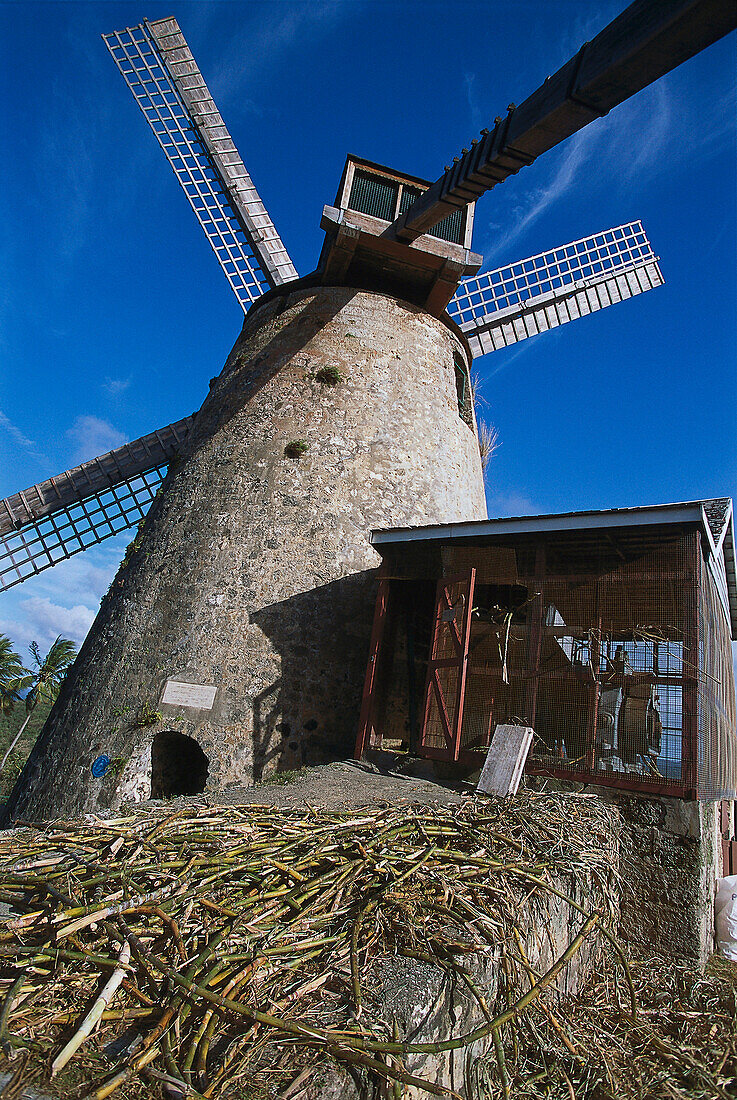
(648, 40)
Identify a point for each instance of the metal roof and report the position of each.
(715, 517)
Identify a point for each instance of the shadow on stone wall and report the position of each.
(310, 714)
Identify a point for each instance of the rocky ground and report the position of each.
(343, 784)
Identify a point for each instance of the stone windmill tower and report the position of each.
(234, 638)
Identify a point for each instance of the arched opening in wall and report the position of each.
(178, 765)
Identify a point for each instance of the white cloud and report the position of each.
(42, 621)
(63, 600)
(83, 578)
(92, 437)
(50, 619)
(501, 503)
(115, 386)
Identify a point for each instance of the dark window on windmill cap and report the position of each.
(381, 196)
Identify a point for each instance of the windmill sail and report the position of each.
(68, 513)
(507, 305)
(645, 42)
(163, 76)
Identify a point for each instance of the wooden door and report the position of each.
(447, 668)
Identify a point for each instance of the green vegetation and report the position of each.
(280, 779)
(9, 727)
(147, 716)
(296, 448)
(35, 685)
(132, 546)
(329, 376)
(116, 766)
(11, 724)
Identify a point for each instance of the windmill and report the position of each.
(242, 613)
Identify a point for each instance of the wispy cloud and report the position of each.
(500, 360)
(16, 433)
(474, 108)
(92, 437)
(526, 214)
(608, 149)
(66, 145)
(264, 42)
(22, 440)
(115, 386)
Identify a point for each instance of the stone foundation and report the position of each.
(669, 861)
(428, 1005)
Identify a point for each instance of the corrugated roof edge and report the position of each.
(702, 512)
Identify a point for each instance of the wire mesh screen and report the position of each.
(377, 195)
(374, 195)
(586, 639)
(449, 228)
(717, 759)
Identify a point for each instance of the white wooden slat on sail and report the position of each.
(203, 158)
(261, 232)
(523, 299)
(74, 510)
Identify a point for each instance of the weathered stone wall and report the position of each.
(670, 864)
(670, 859)
(253, 572)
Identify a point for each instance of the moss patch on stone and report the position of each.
(329, 376)
(296, 448)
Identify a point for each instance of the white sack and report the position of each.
(725, 917)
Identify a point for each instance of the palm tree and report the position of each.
(41, 683)
(11, 670)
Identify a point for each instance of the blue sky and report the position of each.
(114, 313)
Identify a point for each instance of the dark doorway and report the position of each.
(178, 765)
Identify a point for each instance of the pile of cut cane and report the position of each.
(231, 951)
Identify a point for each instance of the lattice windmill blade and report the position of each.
(163, 76)
(523, 299)
(67, 514)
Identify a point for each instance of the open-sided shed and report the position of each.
(607, 632)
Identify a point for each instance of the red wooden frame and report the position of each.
(451, 717)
